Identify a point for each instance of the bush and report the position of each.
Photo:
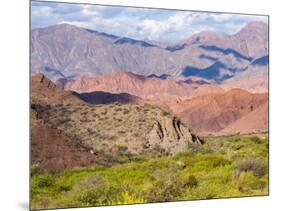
(258, 167)
(103, 195)
(121, 147)
(126, 111)
(160, 150)
(189, 175)
(218, 161)
(88, 197)
(247, 182)
(42, 181)
(256, 140)
(191, 182)
(162, 190)
(165, 113)
(90, 131)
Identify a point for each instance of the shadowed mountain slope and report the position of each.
(147, 88)
(66, 51)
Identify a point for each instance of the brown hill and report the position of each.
(255, 121)
(68, 132)
(53, 151)
(251, 84)
(147, 88)
(212, 113)
(44, 91)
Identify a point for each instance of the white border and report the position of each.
(14, 112)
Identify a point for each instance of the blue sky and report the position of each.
(169, 26)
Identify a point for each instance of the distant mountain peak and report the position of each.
(67, 51)
(255, 25)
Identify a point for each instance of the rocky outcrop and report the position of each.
(171, 135)
(44, 91)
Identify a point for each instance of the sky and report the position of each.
(167, 26)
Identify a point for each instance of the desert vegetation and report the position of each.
(117, 132)
(230, 166)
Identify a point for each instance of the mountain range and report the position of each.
(69, 52)
(215, 84)
(104, 99)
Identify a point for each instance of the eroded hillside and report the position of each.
(113, 132)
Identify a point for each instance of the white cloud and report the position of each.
(160, 25)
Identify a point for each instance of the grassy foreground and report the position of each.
(231, 166)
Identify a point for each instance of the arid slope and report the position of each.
(101, 133)
(212, 113)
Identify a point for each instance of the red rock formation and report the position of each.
(255, 121)
(147, 88)
(44, 91)
(212, 113)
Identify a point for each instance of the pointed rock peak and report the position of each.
(255, 25)
(42, 79)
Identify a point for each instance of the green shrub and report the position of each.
(121, 147)
(162, 190)
(191, 182)
(193, 174)
(256, 140)
(218, 161)
(88, 197)
(248, 182)
(64, 186)
(95, 190)
(43, 181)
(258, 167)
